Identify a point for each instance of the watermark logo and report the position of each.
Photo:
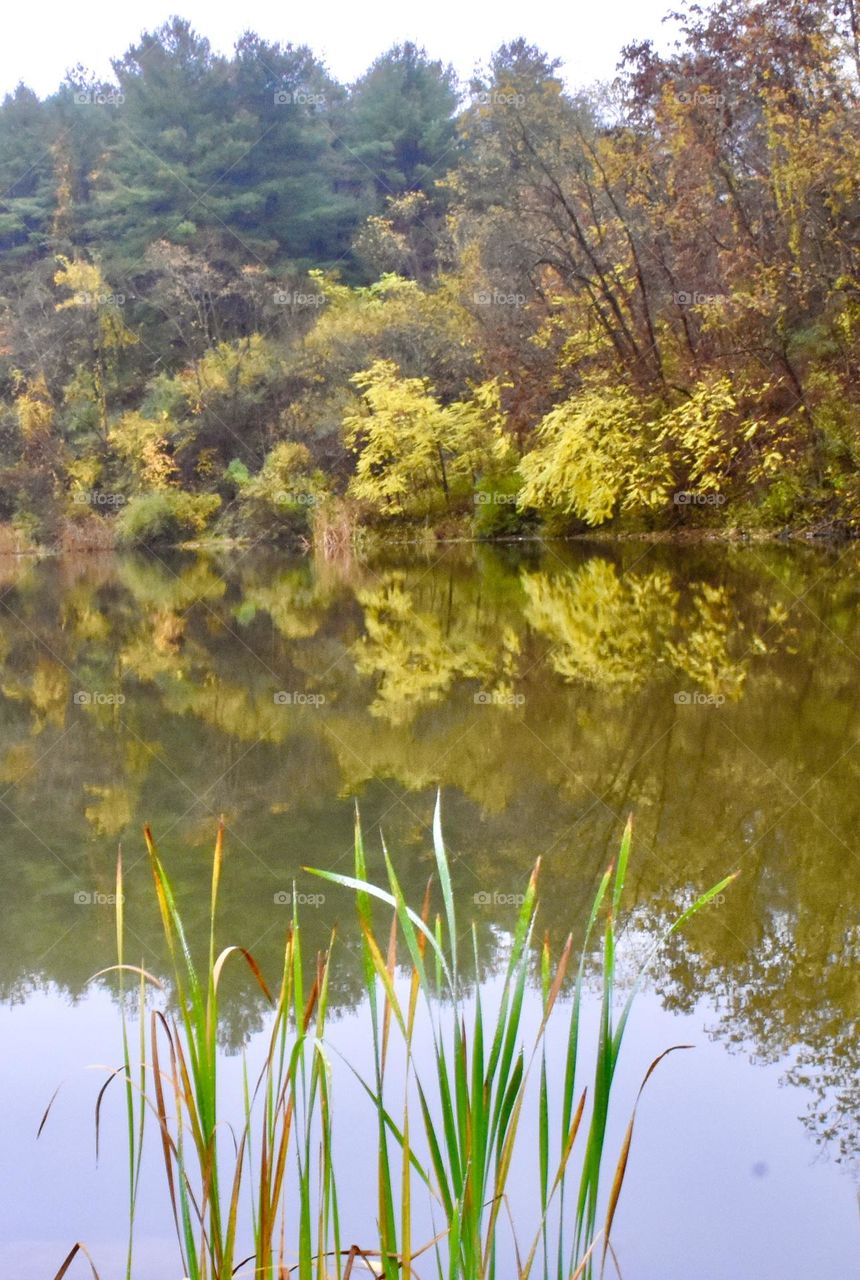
(97, 698)
(85, 298)
(286, 497)
(99, 98)
(298, 98)
(285, 698)
(701, 98)
(295, 298)
(283, 898)
(496, 298)
(90, 498)
(685, 698)
(696, 298)
(484, 898)
(500, 98)
(496, 699)
(86, 898)
(496, 499)
(694, 498)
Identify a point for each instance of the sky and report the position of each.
(41, 40)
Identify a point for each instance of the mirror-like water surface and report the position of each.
(709, 691)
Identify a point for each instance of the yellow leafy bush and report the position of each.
(593, 458)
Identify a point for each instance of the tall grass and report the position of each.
(472, 1095)
(227, 1184)
(449, 1124)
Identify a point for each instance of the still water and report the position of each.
(710, 692)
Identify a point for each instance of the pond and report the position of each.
(548, 691)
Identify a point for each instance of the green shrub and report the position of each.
(783, 502)
(165, 516)
(497, 514)
(277, 503)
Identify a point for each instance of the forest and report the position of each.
(240, 300)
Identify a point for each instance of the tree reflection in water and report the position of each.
(708, 690)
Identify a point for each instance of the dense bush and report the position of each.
(277, 504)
(165, 516)
(497, 513)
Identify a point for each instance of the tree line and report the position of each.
(238, 298)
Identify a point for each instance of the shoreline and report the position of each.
(813, 536)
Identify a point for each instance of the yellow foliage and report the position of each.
(35, 410)
(229, 368)
(91, 292)
(410, 448)
(83, 279)
(593, 458)
(701, 433)
(143, 444)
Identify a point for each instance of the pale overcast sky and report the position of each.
(41, 40)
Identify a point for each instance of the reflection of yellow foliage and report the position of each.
(232, 709)
(17, 761)
(148, 660)
(606, 630)
(157, 647)
(112, 811)
(293, 600)
(154, 588)
(168, 630)
(138, 756)
(703, 654)
(415, 660)
(91, 623)
(618, 630)
(50, 691)
(472, 750)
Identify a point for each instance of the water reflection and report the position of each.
(711, 691)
